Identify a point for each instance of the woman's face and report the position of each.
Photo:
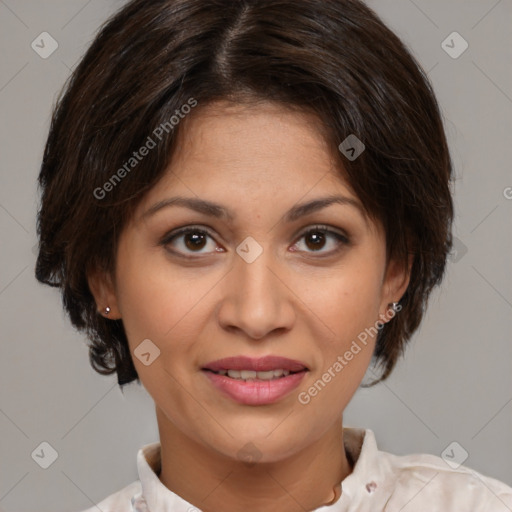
(252, 283)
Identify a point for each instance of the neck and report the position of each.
(213, 481)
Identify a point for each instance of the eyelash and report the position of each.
(342, 240)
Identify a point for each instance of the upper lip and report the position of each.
(260, 364)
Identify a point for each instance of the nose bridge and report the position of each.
(253, 277)
(256, 301)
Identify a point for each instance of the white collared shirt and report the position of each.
(380, 481)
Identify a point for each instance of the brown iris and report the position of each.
(318, 240)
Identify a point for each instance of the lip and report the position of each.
(255, 392)
(260, 364)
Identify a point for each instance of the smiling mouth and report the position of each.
(254, 376)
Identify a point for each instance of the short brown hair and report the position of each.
(335, 58)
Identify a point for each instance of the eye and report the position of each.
(317, 238)
(191, 239)
(194, 239)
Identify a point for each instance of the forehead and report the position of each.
(262, 143)
(259, 122)
(253, 158)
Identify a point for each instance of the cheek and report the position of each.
(154, 296)
(166, 305)
(347, 304)
(347, 300)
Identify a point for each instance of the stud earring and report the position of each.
(107, 310)
(394, 306)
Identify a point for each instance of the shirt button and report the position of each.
(371, 487)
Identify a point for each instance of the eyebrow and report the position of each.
(216, 210)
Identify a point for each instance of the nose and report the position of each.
(256, 299)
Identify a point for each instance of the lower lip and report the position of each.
(258, 392)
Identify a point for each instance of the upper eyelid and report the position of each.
(324, 227)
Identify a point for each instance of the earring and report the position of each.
(394, 306)
(107, 310)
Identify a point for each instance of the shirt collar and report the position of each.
(155, 497)
(365, 483)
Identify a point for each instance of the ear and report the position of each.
(395, 283)
(104, 293)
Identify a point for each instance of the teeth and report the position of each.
(249, 375)
(271, 374)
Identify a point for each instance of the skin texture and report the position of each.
(297, 299)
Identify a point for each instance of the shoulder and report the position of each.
(120, 501)
(423, 482)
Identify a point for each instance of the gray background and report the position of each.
(455, 384)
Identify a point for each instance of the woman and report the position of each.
(245, 203)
